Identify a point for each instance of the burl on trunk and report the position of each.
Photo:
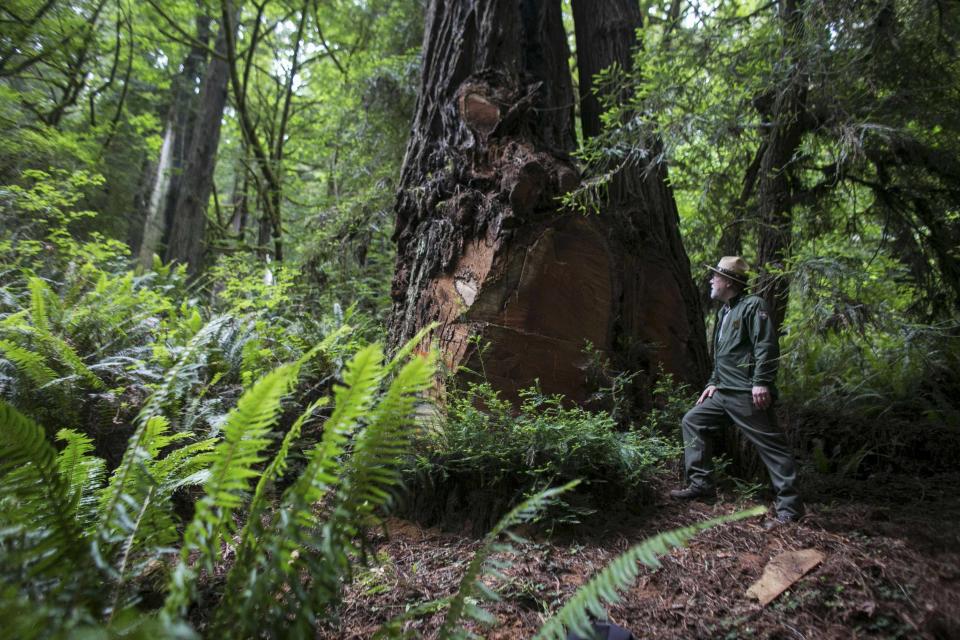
(483, 245)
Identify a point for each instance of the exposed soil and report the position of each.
(891, 569)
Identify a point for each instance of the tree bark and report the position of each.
(774, 189)
(482, 246)
(164, 175)
(656, 306)
(186, 244)
(516, 284)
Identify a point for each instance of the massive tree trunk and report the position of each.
(482, 246)
(187, 230)
(516, 284)
(656, 308)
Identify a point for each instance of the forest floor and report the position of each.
(891, 569)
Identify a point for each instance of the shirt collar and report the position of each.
(730, 304)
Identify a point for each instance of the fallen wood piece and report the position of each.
(781, 572)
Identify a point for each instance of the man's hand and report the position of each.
(707, 393)
(761, 397)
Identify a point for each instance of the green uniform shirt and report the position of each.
(745, 348)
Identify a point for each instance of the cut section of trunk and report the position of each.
(483, 247)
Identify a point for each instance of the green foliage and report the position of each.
(619, 575)
(267, 589)
(42, 540)
(544, 442)
(86, 550)
(472, 585)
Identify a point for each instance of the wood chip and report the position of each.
(781, 572)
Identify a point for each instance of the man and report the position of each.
(741, 390)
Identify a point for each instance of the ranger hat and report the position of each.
(733, 267)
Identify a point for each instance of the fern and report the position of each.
(43, 536)
(176, 379)
(57, 345)
(127, 479)
(299, 542)
(38, 305)
(83, 473)
(246, 558)
(372, 469)
(471, 583)
(32, 364)
(234, 461)
(620, 574)
(264, 575)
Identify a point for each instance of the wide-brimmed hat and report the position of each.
(733, 267)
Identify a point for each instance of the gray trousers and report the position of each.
(758, 425)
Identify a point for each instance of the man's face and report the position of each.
(721, 288)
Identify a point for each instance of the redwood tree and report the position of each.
(189, 223)
(484, 248)
(656, 306)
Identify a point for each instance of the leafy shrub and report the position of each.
(865, 388)
(85, 340)
(485, 455)
(544, 441)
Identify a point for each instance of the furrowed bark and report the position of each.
(483, 247)
(656, 306)
(187, 232)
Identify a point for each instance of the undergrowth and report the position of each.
(544, 441)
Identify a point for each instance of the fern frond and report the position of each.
(245, 567)
(620, 574)
(353, 400)
(403, 352)
(295, 518)
(127, 479)
(471, 582)
(83, 472)
(45, 504)
(173, 382)
(297, 542)
(38, 305)
(372, 470)
(234, 458)
(32, 364)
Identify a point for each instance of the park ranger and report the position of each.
(742, 391)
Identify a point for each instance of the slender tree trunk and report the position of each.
(656, 305)
(276, 191)
(186, 244)
(774, 201)
(774, 189)
(241, 190)
(161, 174)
